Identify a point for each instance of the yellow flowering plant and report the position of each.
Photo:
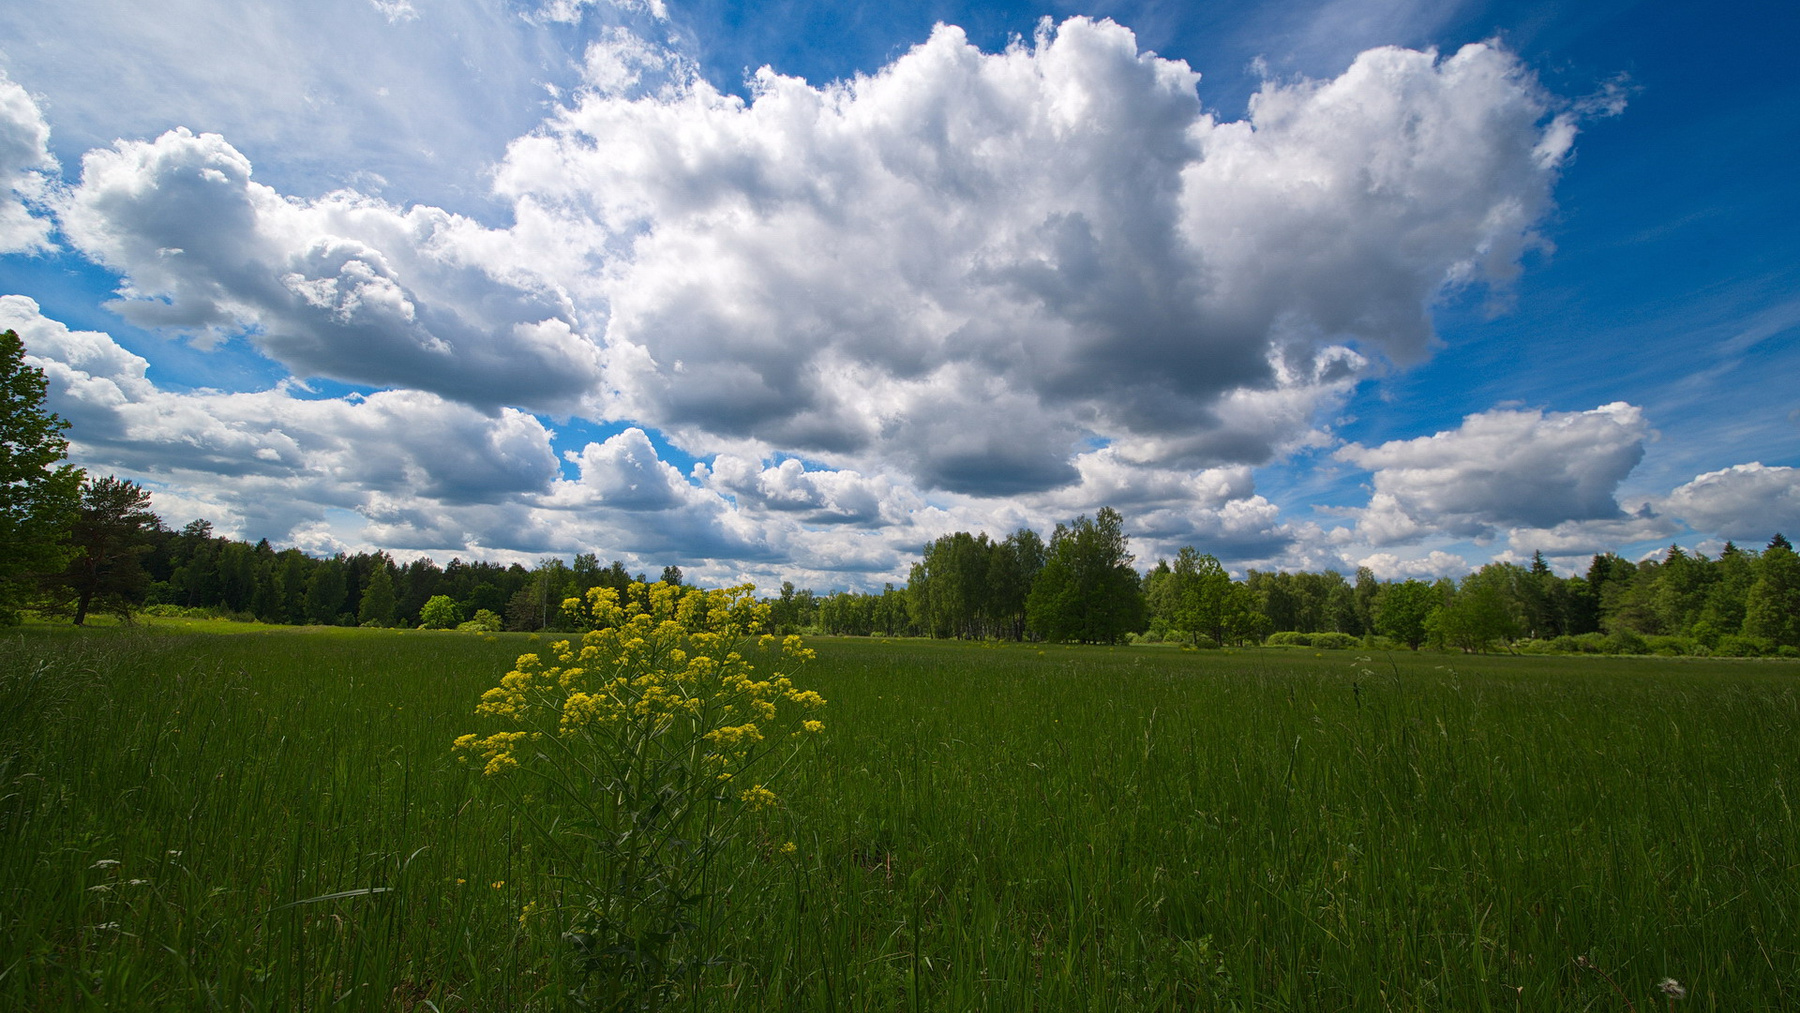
(646, 731)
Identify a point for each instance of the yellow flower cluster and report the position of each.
(660, 660)
(495, 750)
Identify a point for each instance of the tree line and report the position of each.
(138, 564)
(72, 545)
(1082, 588)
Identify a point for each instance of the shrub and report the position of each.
(1335, 641)
(1625, 641)
(1738, 646)
(1673, 647)
(485, 621)
(1289, 639)
(1590, 643)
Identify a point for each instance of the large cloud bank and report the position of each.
(964, 268)
(970, 291)
(968, 263)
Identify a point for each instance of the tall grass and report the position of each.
(990, 828)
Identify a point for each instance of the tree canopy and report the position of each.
(1087, 590)
(112, 533)
(38, 495)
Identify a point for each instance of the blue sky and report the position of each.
(1405, 285)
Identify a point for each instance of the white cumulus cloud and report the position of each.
(967, 268)
(967, 265)
(346, 286)
(1748, 502)
(24, 161)
(1501, 469)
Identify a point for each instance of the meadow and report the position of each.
(275, 821)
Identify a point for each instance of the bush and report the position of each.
(485, 621)
(1590, 643)
(1625, 641)
(1675, 647)
(1335, 641)
(1290, 639)
(1737, 646)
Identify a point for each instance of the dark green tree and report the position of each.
(111, 535)
(1772, 609)
(1401, 611)
(377, 606)
(1483, 613)
(1087, 590)
(1193, 597)
(326, 591)
(38, 495)
(1013, 565)
(292, 569)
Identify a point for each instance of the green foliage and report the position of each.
(111, 534)
(377, 605)
(1483, 613)
(1087, 590)
(1195, 597)
(971, 587)
(326, 592)
(1403, 611)
(485, 621)
(39, 496)
(439, 613)
(1772, 606)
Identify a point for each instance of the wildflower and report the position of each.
(1672, 988)
(789, 848)
(498, 883)
(527, 911)
(758, 797)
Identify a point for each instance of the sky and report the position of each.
(786, 290)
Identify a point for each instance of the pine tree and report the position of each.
(378, 598)
(111, 534)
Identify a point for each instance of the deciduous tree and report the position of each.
(1087, 590)
(38, 495)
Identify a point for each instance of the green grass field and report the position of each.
(275, 820)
